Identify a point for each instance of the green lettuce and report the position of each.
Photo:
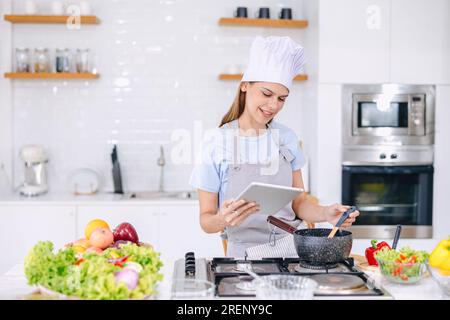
(93, 278)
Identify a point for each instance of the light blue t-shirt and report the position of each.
(210, 172)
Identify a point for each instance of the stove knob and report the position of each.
(190, 255)
(190, 259)
(190, 269)
(189, 263)
(382, 156)
(394, 156)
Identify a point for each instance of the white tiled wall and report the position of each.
(6, 117)
(158, 62)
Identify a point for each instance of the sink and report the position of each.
(155, 195)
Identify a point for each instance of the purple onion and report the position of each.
(129, 276)
(118, 243)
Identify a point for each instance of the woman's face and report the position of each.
(264, 100)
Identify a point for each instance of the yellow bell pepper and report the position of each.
(440, 257)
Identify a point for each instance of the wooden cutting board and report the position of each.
(361, 263)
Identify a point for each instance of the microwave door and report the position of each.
(380, 115)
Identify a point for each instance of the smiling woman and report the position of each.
(251, 147)
(264, 99)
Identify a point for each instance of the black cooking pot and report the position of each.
(313, 245)
(315, 248)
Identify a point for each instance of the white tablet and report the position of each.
(270, 197)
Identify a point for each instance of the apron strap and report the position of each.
(282, 149)
(236, 141)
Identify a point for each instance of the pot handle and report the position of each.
(281, 224)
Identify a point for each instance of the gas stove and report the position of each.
(343, 280)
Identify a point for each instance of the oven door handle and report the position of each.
(388, 169)
(381, 207)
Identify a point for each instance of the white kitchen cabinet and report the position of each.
(22, 226)
(326, 171)
(354, 41)
(181, 232)
(420, 41)
(144, 218)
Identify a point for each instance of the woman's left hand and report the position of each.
(335, 211)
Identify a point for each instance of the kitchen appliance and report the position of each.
(388, 114)
(344, 280)
(35, 180)
(387, 158)
(387, 196)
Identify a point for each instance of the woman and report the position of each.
(247, 145)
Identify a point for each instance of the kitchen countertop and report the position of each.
(13, 286)
(99, 198)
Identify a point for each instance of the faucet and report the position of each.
(161, 162)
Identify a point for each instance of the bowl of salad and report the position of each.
(405, 266)
(126, 272)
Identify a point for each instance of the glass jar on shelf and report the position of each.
(82, 61)
(23, 60)
(41, 60)
(62, 60)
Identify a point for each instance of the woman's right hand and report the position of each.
(233, 213)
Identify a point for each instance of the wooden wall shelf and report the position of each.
(62, 75)
(226, 76)
(48, 19)
(277, 23)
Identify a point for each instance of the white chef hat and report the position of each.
(274, 59)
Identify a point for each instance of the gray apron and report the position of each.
(255, 230)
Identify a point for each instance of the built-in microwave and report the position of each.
(388, 114)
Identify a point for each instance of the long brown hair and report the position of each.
(237, 107)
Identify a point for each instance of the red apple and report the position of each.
(125, 231)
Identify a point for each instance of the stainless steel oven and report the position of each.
(387, 196)
(387, 158)
(388, 114)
